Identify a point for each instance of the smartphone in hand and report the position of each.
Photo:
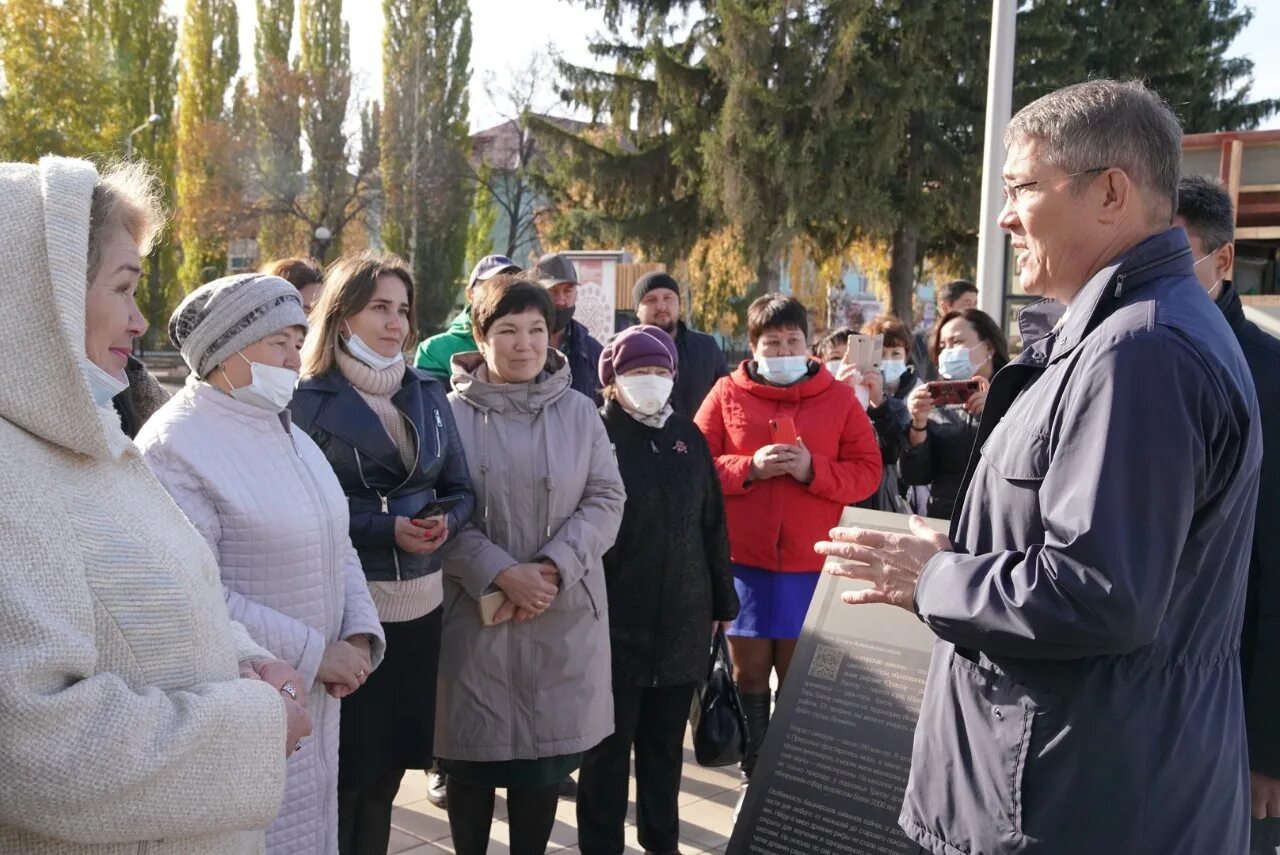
(783, 431)
(952, 392)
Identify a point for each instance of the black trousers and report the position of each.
(531, 813)
(653, 722)
(364, 815)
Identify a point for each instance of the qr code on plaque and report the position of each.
(826, 663)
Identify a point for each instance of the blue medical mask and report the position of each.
(955, 363)
(782, 370)
(893, 369)
(103, 386)
(370, 357)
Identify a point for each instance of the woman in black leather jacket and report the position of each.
(389, 434)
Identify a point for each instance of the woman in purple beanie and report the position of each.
(669, 587)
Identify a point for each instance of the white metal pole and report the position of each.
(991, 242)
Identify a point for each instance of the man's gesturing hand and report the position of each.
(890, 562)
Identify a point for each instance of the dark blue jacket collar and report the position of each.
(348, 416)
(1159, 256)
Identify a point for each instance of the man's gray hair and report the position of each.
(1105, 123)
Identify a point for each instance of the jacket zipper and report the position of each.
(1144, 268)
(439, 441)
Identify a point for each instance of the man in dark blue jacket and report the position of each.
(1084, 694)
(702, 361)
(1204, 210)
(557, 274)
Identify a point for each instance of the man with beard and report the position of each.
(556, 273)
(701, 360)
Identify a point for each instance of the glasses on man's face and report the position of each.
(1013, 191)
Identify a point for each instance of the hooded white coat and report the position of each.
(124, 724)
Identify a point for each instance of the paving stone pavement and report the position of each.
(707, 797)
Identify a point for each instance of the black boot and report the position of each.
(756, 710)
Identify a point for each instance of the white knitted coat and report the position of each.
(266, 499)
(124, 725)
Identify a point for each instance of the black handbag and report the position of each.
(719, 725)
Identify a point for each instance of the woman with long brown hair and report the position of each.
(389, 434)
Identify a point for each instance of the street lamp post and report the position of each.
(151, 121)
(323, 236)
(991, 242)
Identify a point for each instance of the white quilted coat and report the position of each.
(266, 499)
(124, 724)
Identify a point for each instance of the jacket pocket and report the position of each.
(1017, 452)
(976, 723)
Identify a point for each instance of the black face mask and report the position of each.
(562, 318)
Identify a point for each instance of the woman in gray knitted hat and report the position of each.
(265, 498)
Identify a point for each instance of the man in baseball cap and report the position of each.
(434, 353)
(557, 274)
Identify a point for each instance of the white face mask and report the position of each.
(369, 356)
(271, 388)
(834, 367)
(782, 370)
(645, 394)
(103, 386)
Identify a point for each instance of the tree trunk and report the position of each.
(904, 253)
(902, 270)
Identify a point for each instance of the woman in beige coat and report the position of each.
(135, 716)
(522, 699)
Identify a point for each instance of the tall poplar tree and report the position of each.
(279, 130)
(209, 177)
(426, 71)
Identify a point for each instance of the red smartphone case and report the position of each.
(783, 429)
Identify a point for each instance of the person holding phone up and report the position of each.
(389, 434)
(967, 346)
(792, 448)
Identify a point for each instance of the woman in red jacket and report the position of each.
(781, 496)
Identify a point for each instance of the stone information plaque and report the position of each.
(834, 765)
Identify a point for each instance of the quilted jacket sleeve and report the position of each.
(585, 537)
(734, 469)
(283, 637)
(91, 759)
(359, 615)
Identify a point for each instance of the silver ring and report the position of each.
(289, 689)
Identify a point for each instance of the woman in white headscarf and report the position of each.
(136, 715)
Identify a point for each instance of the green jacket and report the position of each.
(434, 354)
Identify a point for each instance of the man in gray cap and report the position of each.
(702, 361)
(434, 353)
(556, 273)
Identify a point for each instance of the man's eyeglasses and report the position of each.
(1011, 191)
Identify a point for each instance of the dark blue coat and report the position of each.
(1260, 639)
(372, 472)
(1084, 694)
(701, 364)
(583, 354)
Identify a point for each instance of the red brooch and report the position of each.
(680, 447)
